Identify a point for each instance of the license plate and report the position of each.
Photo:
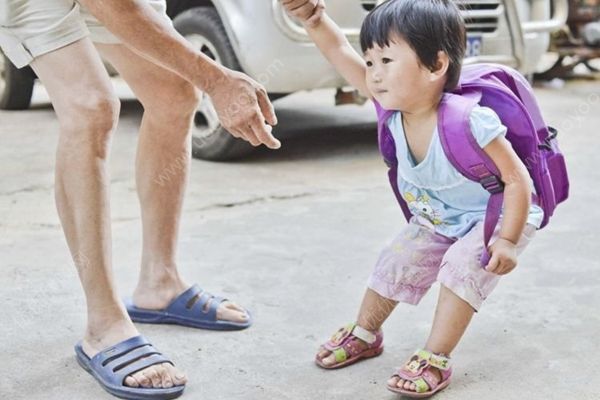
(474, 44)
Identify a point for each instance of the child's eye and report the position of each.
(386, 60)
(369, 64)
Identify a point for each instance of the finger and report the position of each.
(500, 270)
(508, 267)
(493, 264)
(316, 16)
(250, 134)
(294, 4)
(301, 8)
(246, 134)
(266, 107)
(264, 134)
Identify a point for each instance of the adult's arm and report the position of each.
(241, 103)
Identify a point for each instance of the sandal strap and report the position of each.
(421, 361)
(418, 370)
(344, 343)
(340, 354)
(364, 335)
(430, 379)
(344, 334)
(339, 337)
(421, 385)
(438, 361)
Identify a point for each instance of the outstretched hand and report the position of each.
(244, 108)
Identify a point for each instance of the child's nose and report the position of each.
(376, 77)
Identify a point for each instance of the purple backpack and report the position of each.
(506, 92)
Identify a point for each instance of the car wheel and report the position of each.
(203, 28)
(16, 85)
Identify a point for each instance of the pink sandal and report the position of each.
(346, 345)
(418, 371)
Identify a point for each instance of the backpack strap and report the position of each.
(468, 157)
(387, 148)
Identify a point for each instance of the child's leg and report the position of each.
(452, 316)
(405, 271)
(464, 287)
(373, 312)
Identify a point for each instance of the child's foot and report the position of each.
(348, 345)
(423, 375)
(396, 381)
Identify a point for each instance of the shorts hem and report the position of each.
(405, 294)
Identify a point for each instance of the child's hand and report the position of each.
(503, 257)
(307, 11)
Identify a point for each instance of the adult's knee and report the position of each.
(89, 119)
(174, 103)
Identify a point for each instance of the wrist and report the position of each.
(313, 22)
(508, 241)
(208, 74)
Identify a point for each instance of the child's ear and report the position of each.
(441, 66)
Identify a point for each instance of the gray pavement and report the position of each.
(293, 235)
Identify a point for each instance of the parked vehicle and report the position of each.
(260, 39)
(578, 42)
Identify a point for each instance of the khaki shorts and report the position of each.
(31, 28)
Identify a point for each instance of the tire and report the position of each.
(203, 27)
(16, 85)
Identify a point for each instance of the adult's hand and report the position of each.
(307, 11)
(244, 108)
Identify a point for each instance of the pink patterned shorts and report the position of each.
(418, 257)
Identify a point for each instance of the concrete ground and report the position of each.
(293, 235)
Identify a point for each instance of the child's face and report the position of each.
(395, 77)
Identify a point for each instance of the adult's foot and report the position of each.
(159, 293)
(157, 376)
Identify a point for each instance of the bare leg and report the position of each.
(87, 111)
(374, 310)
(452, 316)
(162, 170)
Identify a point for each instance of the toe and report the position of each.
(233, 306)
(167, 381)
(162, 374)
(400, 383)
(393, 381)
(226, 314)
(329, 360)
(407, 385)
(142, 379)
(154, 377)
(131, 382)
(177, 376)
(322, 354)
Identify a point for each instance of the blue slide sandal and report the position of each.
(111, 366)
(188, 309)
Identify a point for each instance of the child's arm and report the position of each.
(333, 44)
(517, 200)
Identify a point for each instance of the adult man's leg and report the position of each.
(162, 169)
(87, 110)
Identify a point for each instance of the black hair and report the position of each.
(428, 26)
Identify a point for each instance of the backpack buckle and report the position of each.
(492, 184)
(547, 142)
